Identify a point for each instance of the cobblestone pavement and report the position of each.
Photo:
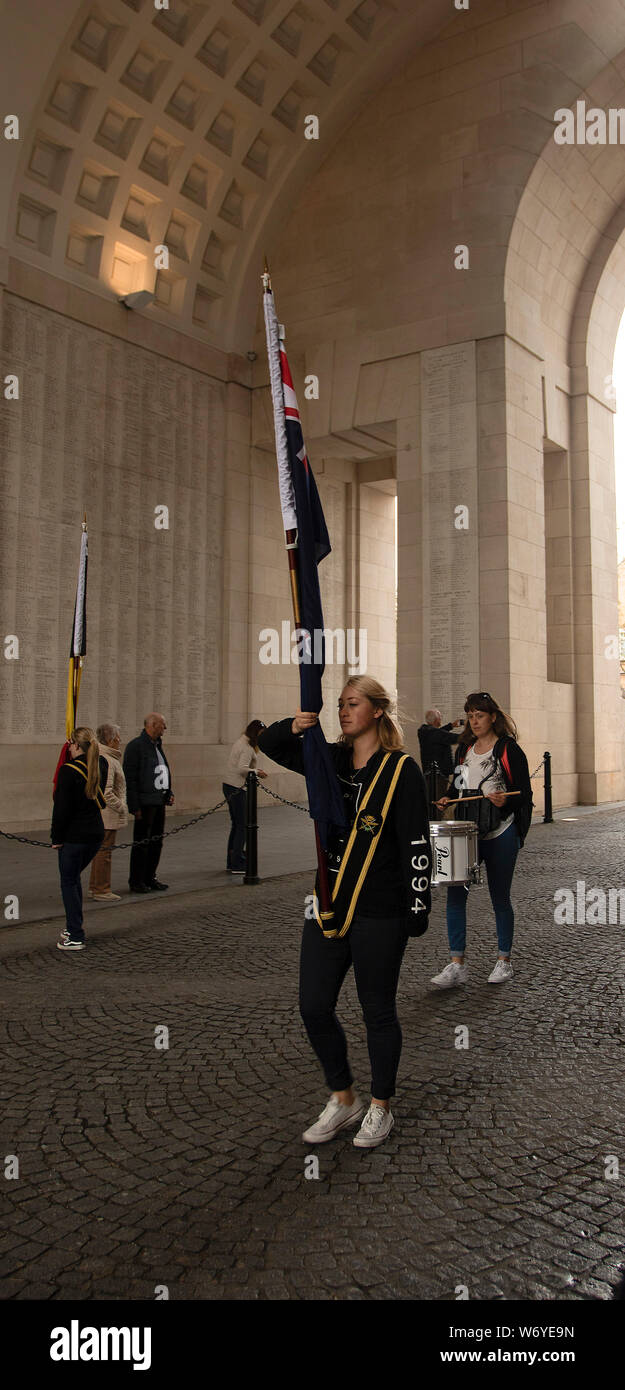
(184, 1167)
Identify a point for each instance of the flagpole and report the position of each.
(290, 536)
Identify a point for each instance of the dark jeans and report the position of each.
(499, 856)
(375, 946)
(144, 858)
(235, 855)
(72, 860)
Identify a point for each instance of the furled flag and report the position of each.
(307, 543)
(77, 648)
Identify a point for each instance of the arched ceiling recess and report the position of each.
(565, 269)
(184, 126)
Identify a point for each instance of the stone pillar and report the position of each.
(598, 698)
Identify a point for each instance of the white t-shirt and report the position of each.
(478, 766)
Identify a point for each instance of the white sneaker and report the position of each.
(453, 974)
(334, 1118)
(375, 1127)
(503, 971)
(105, 897)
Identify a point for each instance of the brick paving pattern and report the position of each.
(184, 1167)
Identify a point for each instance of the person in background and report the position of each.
(148, 791)
(77, 828)
(243, 759)
(489, 763)
(114, 815)
(435, 742)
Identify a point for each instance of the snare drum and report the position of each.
(454, 852)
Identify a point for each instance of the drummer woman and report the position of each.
(488, 759)
(391, 885)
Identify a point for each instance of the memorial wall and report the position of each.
(112, 429)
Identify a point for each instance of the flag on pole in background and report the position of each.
(78, 644)
(307, 543)
(77, 649)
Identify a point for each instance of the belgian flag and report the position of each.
(78, 644)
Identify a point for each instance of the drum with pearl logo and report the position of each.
(454, 852)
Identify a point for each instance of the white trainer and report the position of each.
(453, 974)
(333, 1118)
(375, 1127)
(503, 971)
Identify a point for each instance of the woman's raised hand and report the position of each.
(304, 719)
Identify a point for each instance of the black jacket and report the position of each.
(436, 745)
(388, 890)
(140, 764)
(514, 767)
(75, 818)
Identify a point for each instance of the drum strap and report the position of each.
(361, 846)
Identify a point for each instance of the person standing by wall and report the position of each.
(114, 815)
(436, 741)
(149, 791)
(77, 828)
(243, 759)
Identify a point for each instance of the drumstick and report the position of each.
(481, 797)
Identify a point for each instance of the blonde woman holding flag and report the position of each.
(379, 869)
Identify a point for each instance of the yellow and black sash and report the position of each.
(361, 847)
(99, 797)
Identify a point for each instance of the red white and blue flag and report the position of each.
(308, 543)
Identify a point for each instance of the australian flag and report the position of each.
(304, 521)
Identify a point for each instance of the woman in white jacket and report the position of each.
(114, 815)
(243, 758)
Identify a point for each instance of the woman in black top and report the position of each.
(489, 762)
(77, 829)
(392, 904)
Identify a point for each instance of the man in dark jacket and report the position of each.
(148, 785)
(435, 742)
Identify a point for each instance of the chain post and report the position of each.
(548, 816)
(251, 830)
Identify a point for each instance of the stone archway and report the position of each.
(565, 296)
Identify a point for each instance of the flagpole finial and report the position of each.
(266, 277)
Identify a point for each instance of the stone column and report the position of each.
(598, 698)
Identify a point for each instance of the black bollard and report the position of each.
(548, 816)
(251, 830)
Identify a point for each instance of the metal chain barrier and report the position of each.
(131, 844)
(127, 844)
(296, 804)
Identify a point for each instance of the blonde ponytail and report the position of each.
(88, 744)
(390, 731)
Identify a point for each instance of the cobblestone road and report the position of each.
(184, 1167)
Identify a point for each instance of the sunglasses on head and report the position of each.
(479, 695)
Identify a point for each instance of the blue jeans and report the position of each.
(499, 857)
(73, 858)
(235, 856)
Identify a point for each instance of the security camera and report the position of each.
(139, 300)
